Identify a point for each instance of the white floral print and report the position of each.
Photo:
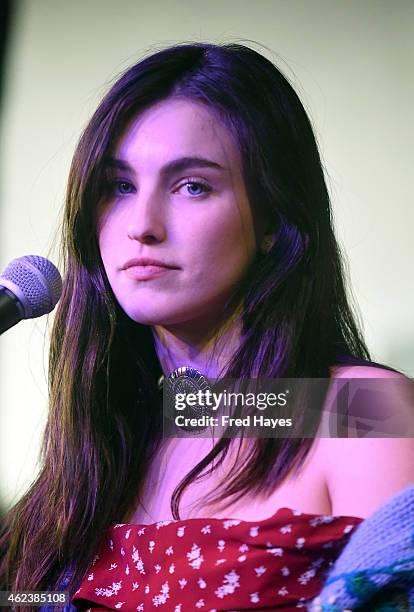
(160, 599)
(230, 584)
(195, 558)
(260, 570)
(110, 590)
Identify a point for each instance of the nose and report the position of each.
(146, 223)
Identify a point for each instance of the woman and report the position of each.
(201, 157)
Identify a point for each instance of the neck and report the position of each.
(207, 346)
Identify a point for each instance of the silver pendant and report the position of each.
(185, 380)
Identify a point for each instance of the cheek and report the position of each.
(222, 250)
(108, 238)
(235, 237)
(105, 250)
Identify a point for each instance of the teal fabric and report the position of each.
(375, 571)
(62, 587)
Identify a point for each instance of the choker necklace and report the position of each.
(187, 379)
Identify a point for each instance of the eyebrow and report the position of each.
(174, 166)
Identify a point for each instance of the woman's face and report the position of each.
(177, 196)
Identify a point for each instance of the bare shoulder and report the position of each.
(363, 371)
(362, 473)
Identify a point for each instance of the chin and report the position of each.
(153, 317)
(161, 316)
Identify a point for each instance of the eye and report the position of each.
(120, 187)
(124, 187)
(196, 187)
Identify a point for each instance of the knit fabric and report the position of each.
(375, 571)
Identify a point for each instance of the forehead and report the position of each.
(178, 127)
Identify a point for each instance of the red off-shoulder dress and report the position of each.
(214, 564)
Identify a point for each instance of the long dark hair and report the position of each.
(104, 422)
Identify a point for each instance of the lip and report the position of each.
(147, 262)
(147, 272)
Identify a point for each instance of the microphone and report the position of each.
(30, 286)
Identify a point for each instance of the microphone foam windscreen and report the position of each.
(35, 281)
